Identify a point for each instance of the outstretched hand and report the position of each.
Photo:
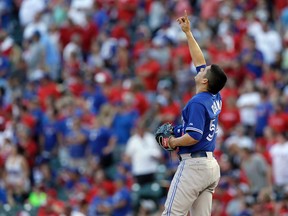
(184, 22)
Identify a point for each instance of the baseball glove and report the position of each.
(163, 134)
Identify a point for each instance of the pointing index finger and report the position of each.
(186, 16)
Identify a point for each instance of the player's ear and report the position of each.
(204, 80)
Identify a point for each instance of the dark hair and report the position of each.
(216, 79)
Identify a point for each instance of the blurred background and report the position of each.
(85, 83)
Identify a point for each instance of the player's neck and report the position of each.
(200, 89)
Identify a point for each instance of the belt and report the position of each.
(195, 155)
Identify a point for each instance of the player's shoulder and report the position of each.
(202, 97)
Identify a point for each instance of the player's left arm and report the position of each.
(185, 140)
(194, 129)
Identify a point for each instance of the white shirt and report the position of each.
(78, 10)
(156, 15)
(269, 43)
(279, 154)
(240, 141)
(28, 10)
(69, 49)
(247, 103)
(143, 151)
(32, 27)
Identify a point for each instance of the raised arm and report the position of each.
(195, 51)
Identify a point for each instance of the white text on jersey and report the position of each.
(216, 106)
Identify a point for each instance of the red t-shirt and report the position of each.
(141, 103)
(127, 9)
(28, 120)
(30, 149)
(182, 51)
(47, 90)
(89, 33)
(229, 118)
(66, 33)
(140, 47)
(115, 94)
(149, 71)
(53, 207)
(173, 109)
(77, 87)
(119, 31)
(279, 122)
(108, 186)
(280, 5)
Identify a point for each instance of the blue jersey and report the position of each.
(98, 139)
(200, 117)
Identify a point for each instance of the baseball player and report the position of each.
(198, 172)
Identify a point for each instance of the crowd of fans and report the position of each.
(84, 83)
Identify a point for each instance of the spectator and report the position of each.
(37, 25)
(101, 204)
(251, 59)
(73, 49)
(100, 180)
(101, 143)
(122, 204)
(76, 141)
(9, 48)
(144, 154)
(29, 9)
(34, 56)
(169, 109)
(51, 44)
(247, 103)
(237, 205)
(124, 121)
(239, 138)
(230, 116)
(94, 59)
(256, 169)
(37, 197)
(278, 119)
(148, 73)
(279, 152)
(59, 11)
(49, 135)
(156, 15)
(268, 42)
(78, 10)
(17, 175)
(263, 110)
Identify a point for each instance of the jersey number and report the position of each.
(212, 128)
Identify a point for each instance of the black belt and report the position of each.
(196, 155)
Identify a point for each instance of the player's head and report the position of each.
(216, 78)
(212, 77)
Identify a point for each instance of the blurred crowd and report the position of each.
(85, 83)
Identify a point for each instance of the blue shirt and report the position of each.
(255, 69)
(99, 99)
(77, 151)
(123, 124)
(98, 140)
(263, 111)
(3, 196)
(49, 131)
(97, 201)
(200, 120)
(122, 194)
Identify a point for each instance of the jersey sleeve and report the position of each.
(196, 120)
(177, 130)
(198, 68)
